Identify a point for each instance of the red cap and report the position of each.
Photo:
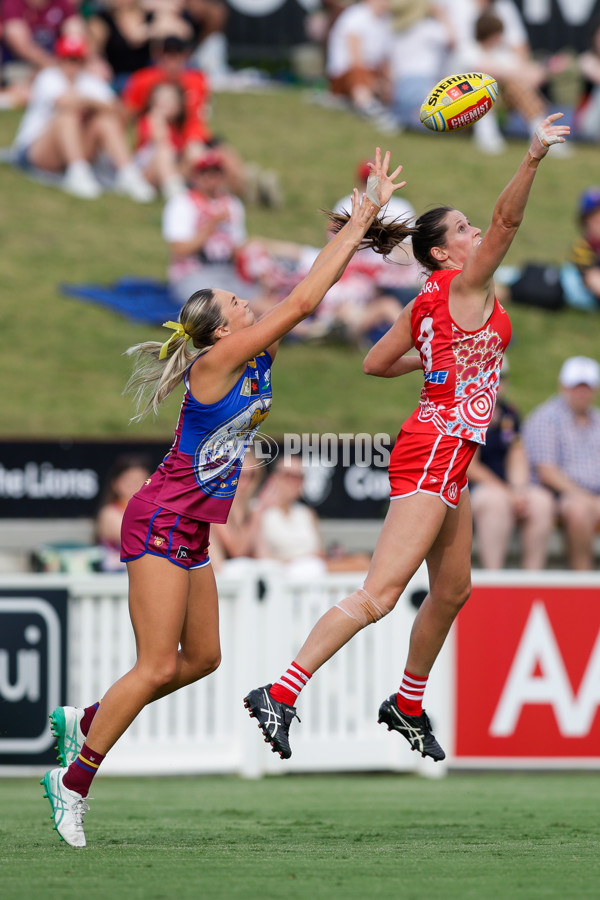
(363, 171)
(71, 46)
(209, 160)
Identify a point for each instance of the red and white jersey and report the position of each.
(461, 368)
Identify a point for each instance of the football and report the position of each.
(459, 100)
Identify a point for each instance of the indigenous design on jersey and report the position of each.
(219, 457)
(461, 368)
(199, 475)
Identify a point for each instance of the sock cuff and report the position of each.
(300, 669)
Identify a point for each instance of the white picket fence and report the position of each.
(204, 728)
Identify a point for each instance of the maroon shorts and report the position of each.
(430, 464)
(148, 528)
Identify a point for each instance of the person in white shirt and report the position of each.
(205, 228)
(359, 51)
(520, 79)
(423, 37)
(72, 116)
(464, 14)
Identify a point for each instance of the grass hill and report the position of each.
(61, 364)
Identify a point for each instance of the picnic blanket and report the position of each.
(139, 299)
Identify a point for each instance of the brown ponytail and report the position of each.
(382, 236)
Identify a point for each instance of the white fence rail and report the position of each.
(204, 728)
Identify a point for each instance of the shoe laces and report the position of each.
(79, 809)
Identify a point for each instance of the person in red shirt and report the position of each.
(160, 139)
(171, 57)
(170, 66)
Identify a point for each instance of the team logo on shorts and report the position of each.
(157, 540)
(182, 552)
(453, 491)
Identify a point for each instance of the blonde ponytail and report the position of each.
(159, 368)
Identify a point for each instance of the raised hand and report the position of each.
(380, 184)
(547, 133)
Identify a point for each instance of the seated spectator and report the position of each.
(289, 530)
(588, 115)
(503, 496)
(359, 52)
(562, 441)
(170, 57)
(160, 140)
(170, 64)
(581, 275)
(208, 19)
(126, 476)
(72, 116)
(205, 227)
(235, 539)
(30, 29)
(422, 37)
(520, 80)
(121, 32)
(464, 14)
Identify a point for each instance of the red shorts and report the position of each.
(431, 464)
(148, 528)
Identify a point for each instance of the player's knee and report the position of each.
(210, 664)
(364, 608)
(455, 595)
(160, 673)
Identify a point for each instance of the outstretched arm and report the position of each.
(234, 349)
(475, 280)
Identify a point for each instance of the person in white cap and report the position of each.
(562, 440)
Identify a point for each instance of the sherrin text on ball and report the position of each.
(459, 100)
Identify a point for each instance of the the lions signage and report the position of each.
(528, 674)
(33, 634)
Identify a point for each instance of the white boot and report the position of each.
(79, 180)
(68, 808)
(131, 182)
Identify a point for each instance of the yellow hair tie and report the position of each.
(178, 331)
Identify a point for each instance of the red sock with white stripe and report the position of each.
(290, 684)
(410, 694)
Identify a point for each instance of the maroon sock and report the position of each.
(80, 773)
(88, 714)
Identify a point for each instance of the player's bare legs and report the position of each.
(167, 606)
(410, 528)
(412, 524)
(449, 568)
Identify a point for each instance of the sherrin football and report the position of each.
(458, 101)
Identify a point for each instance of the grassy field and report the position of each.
(63, 358)
(473, 837)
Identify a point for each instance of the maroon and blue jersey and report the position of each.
(199, 475)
